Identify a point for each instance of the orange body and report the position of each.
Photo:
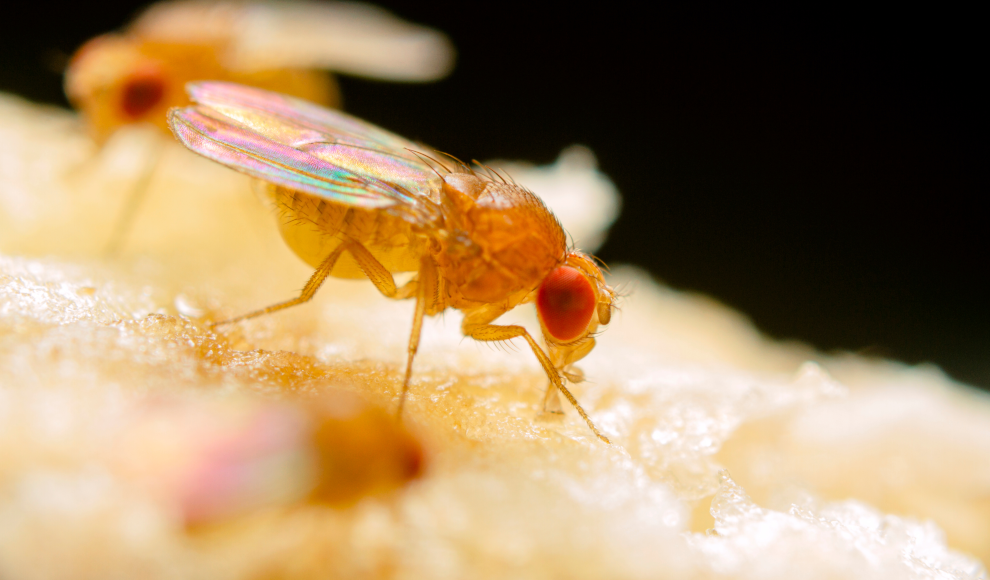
(358, 201)
(488, 251)
(494, 240)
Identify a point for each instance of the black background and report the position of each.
(817, 171)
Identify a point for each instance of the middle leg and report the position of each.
(423, 287)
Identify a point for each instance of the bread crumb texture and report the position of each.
(137, 442)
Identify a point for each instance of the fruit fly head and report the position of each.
(573, 300)
(114, 84)
(117, 79)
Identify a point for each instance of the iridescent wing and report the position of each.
(302, 146)
(348, 37)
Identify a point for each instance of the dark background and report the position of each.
(817, 171)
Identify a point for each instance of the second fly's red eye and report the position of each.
(565, 303)
(141, 93)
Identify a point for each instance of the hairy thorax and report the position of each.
(500, 241)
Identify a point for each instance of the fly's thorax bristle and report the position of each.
(503, 241)
(519, 227)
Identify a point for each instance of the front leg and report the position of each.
(495, 332)
(564, 357)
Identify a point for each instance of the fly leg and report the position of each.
(134, 200)
(564, 357)
(424, 287)
(426, 299)
(495, 332)
(379, 276)
(314, 283)
(551, 401)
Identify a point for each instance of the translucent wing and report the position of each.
(348, 37)
(305, 147)
(294, 121)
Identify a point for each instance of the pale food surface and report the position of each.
(733, 456)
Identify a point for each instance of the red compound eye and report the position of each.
(565, 303)
(141, 93)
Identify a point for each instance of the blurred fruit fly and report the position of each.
(363, 202)
(135, 76)
(216, 460)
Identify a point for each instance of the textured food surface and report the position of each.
(137, 442)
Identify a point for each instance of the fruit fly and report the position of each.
(364, 202)
(135, 76)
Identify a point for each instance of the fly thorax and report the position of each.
(506, 239)
(460, 193)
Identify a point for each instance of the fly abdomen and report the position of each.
(313, 227)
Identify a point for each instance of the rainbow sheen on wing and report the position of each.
(305, 147)
(258, 108)
(323, 132)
